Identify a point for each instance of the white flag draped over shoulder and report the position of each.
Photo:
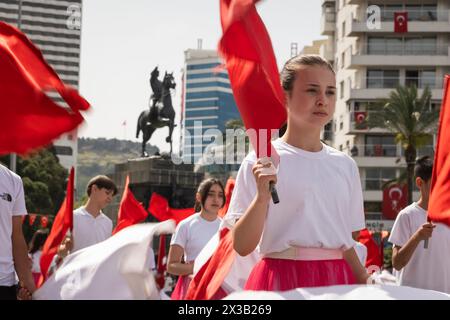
(117, 268)
(344, 292)
(240, 269)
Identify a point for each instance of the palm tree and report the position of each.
(412, 121)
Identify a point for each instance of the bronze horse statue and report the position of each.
(161, 112)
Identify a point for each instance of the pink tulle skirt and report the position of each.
(283, 274)
(181, 288)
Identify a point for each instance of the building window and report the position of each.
(341, 125)
(382, 78)
(421, 78)
(380, 146)
(372, 207)
(63, 150)
(377, 177)
(340, 147)
(341, 89)
(343, 29)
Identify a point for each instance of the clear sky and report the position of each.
(123, 40)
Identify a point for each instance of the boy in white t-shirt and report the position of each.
(420, 267)
(13, 249)
(90, 224)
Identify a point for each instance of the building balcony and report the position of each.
(397, 55)
(377, 195)
(383, 156)
(380, 88)
(386, 151)
(418, 22)
(327, 51)
(328, 24)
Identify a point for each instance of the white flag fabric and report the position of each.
(344, 292)
(206, 253)
(240, 269)
(117, 268)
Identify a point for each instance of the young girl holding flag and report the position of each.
(193, 233)
(306, 239)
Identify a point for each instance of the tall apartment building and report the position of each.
(207, 100)
(54, 26)
(370, 61)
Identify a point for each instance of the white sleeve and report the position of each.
(401, 231)
(243, 193)
(361, 252)
(180, 236)
(19, 208)
(356, 201)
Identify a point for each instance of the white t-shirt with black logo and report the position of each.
(12, 203)
(428, 268)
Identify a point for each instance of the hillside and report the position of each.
(98, 156)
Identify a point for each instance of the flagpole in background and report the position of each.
(13, 156)
(124, 124)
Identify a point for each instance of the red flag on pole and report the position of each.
(401, 22)
(395, 198)
(159, 208)
(130, 210)
(63, 222)
(254, 77)
(374, 257)
(210, 277)
(29, 117)
(439, 204)
(161, 265)
(253, 72)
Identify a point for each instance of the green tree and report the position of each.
(44, 180)
(411, 119)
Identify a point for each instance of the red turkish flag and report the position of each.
(161, 265)
(253, 72)
(130, 210)
(44, 221)
(401, 22)
(29, 117)
(159, 208)
(32, 218)
(210, 277)
(360, 116)
(439, 205)
(63, 222)
(374, 257)
(360, 119)
(395, 198)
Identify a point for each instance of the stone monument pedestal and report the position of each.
(177, 183)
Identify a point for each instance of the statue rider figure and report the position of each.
(156, 86)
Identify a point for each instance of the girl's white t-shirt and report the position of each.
(193, 233)
(321, 201)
